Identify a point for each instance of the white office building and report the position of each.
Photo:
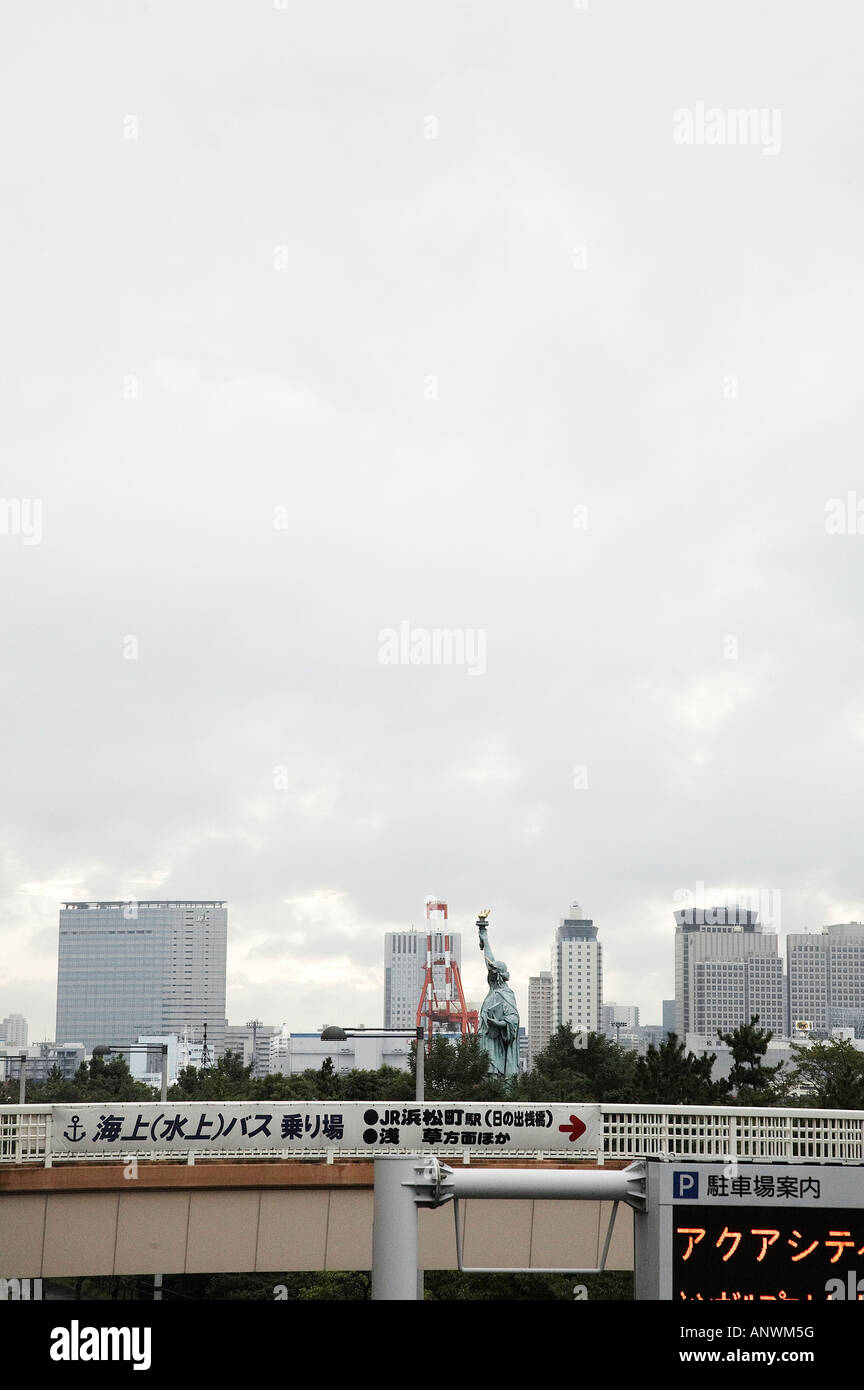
(13, 1030)
(347, 1050)
(257, 1043)
(577, 974)
(727, 993)
(714, 987)
(539, 1014)
(825, 972)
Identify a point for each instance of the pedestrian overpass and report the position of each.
(141, 1203)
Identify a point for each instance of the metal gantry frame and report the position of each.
(532, 1269)
(404, 1185)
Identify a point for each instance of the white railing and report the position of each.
(25, 1133)
(689, 1132)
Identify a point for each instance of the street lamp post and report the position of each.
(420, 1059)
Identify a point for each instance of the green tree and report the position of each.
(595, 1070)
(666, 1075)
(54, 1090)
(831, 1075)
(452, 1286)
(339, 1288)
(229, 1079)
(750, 1082)
(385, 1084)
(187, 1084)
(279, 1086)
(460, 1070)
(329, 1083)
(95, 1080)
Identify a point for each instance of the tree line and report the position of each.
(572, 1068)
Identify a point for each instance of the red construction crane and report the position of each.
(447, 1009)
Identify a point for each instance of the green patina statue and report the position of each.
(499, 1016)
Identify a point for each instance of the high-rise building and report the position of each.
(539, 1014)
(727, 993)
(130, 969)
(724, 936)
(13, 1030)
(577, 973)
(405, 970)
(825, 973)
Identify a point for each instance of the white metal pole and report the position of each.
(586, 1184)
(394, 1231)
(164, 1089)
(420, 1067)
(22, 1080)
(419, 1088)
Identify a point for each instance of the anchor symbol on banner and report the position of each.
(74, 1137)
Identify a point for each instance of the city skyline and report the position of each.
(650, 1011)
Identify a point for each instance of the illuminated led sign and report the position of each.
(751, 1232)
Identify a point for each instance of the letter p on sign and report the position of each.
(685, 1185)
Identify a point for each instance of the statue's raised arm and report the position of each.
(483, 929)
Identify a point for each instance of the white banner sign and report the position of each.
(302, 1126)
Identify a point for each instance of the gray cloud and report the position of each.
(284, 372)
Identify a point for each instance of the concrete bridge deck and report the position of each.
(173, 1218)
(128, 1206)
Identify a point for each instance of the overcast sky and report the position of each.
(540, 325)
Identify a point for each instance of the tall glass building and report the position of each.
(135, 968)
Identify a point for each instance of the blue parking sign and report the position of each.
(685, 1185)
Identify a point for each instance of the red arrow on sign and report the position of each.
(574, 1129)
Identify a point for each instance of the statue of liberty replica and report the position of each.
(499, 1017)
